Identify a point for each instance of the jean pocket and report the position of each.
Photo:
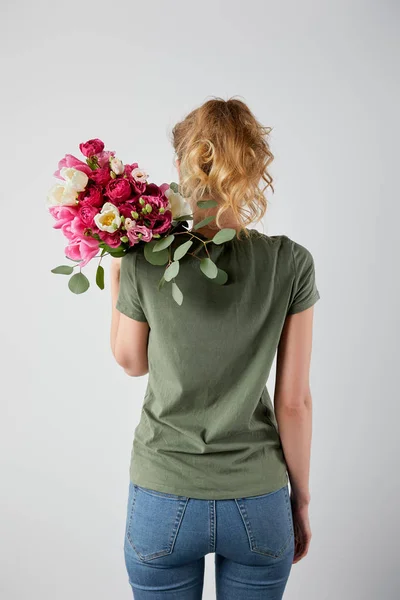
(154, 519)
(268, 521)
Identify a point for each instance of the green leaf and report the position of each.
(174, 187)
(163, 243)
(155, 258)
(171, 271)
(208, 267)
(100, 277)
(204, 222)
(63, 270)
(221, 278)
(182, 249)
(117, 252)
(207, 203)
(224, 235)
(78, 283)
(161, 282)
(177, 294)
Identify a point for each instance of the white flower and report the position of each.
(139, 174)
(62, 194)
(129, 223)
(75, 179)
(108, 219)
(117, 165)
(177, 204)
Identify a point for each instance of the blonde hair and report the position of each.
(224, 155)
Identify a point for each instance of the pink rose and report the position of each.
(118, 190)
(100, 176)
(112, 239)
(126, 208)
(82, 249)
(86, 214)
(72, 161)
(91, 147)
(92, 196)
(133, 232)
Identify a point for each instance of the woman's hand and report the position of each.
(302, 530)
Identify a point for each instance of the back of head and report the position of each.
(224, 155)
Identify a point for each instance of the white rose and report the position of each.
(108, 219)
(178, 204)
(62, 194)
(75, 179)
(117, 166)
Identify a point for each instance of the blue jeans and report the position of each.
(167, 537)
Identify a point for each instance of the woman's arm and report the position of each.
(293, 410)
(128, 337)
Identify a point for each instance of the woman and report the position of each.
(211, 460)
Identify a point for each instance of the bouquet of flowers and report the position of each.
(104, 206)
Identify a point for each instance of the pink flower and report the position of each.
(92, 196)
(63, 214)
(71, 161)
(133, 234)
(86, 214)
(126, 208)
(138, 186)
(112, 239)
(104, 157)
(91, 147)
(163, 223)
(100, 176)
(82, 249)
(118, 190)
(164, 187)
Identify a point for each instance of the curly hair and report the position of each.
(224, 155)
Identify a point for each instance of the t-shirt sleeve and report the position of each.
(128, 301)
(305, 292)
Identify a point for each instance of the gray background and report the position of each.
(323, 75)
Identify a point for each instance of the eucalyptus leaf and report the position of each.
(221, 278)
(155, 258)
(171, 271)
(78, 283)
(208, 267)
(182, 249)
(224, 235)
(161, 282)
(177, 294)
(174, 187)
(164, 243)
(63, 270)
(100, 277)
(117, 252)
(207, 203)
(204, 222)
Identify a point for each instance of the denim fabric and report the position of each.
(167, 537)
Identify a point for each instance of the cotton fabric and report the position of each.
(207, 428)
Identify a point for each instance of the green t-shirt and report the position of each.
(207, 428)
